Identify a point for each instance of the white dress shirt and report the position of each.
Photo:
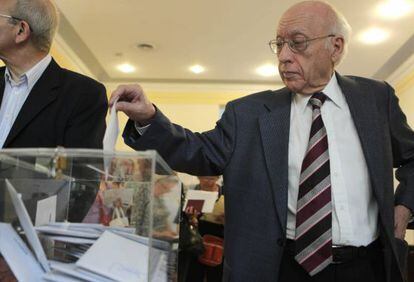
(16, 93)
(355, 210)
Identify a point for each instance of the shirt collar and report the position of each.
(331, 90)
(8, 79)
(32, 75)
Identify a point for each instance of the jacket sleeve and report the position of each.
(206, 153)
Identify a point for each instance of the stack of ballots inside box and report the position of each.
(81, 251)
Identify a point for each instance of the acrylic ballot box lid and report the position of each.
(98, 214)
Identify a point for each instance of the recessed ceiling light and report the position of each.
(374, 36)
(267, 70)
(394, 9)
(197, 69)
(126, 68)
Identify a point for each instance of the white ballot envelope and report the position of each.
(111, 133)
(116, 257)
(20, 259)
(46, 211)
(72, 270)
(110, 137)
(27, 226)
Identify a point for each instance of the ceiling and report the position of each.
(228, 37)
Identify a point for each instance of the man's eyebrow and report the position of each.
(292, 35)
(294, 32)
(297, 32)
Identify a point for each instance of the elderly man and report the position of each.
(43, 105)
(307, 168)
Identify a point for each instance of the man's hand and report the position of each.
(192, 215)
(402, 216)
(133, 102)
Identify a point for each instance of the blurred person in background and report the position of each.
(140, 211)
(208, 224)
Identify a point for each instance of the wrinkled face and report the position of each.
(208, 182)
(6, 27)
(306, 71)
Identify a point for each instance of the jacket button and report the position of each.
(281, 242)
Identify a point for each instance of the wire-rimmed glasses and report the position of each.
(296, 45)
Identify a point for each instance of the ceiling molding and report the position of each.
(63, 51)
(403, 77)
(396, 60)
(73, 45)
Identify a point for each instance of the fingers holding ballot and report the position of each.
(132, 100)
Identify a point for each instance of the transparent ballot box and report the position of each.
(88, 215)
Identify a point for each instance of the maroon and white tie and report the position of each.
(313, 248)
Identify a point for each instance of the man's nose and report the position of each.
(285, 54)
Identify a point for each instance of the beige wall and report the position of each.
(405, 90)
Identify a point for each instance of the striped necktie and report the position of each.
(313, 248)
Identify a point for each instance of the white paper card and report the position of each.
(20, 259)
(111, 133)
(27, 226)
(55, 276)
(72, 240)
(117, 258)
(46, 211)
(91, 234)
(72, 270)
(208, 197)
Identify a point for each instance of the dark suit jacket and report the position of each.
(66, 109)
(249, 146)
(63, 109)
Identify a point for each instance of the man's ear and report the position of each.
(338, 48)
(23, 32)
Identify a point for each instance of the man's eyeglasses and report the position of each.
(14, 18)
(296, 45)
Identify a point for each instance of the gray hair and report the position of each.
(43, 18)
(341, 27)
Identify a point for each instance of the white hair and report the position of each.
(42, 17)
(341, 27)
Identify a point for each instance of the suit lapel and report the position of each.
(274, 129)
(42, 94)
(362, 105)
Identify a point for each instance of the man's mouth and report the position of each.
(289, 74)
